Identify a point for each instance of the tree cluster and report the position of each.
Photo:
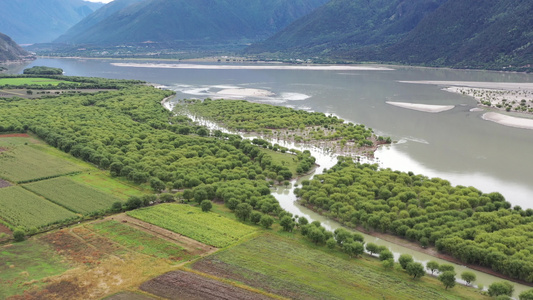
(472, 226)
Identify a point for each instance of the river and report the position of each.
(457, 145)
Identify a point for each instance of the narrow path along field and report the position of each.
(193, 246)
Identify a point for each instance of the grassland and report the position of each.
(206, 227)
(72, 195)
(289, 161)
(287, 267)
(24, 264)
(19, 207)
(21, 161)
(31, 81)
(139, 241)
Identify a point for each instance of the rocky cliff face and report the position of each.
(10, 51)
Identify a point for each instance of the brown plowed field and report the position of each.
(4, 183)
(14, 135)
(190, 286)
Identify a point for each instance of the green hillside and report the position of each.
(493, 34)
(348, 24)
(207, 22)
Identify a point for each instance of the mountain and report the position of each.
(202, 22)
(471, 34)
(494, 34)
(39, 21)
(10, 51)
(348, 24)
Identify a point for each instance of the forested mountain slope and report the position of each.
(9, 50)
(493, 34)
(177, 21)
(40, 21)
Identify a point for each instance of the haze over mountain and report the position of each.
(458, 33)
(40, 21)
(205, 22)
(10, 51)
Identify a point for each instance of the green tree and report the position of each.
(316, 235)
(266, 221)
(116, 206)
(448, 279)
(468, 277)
(446, 267)
(243, 211)
(287, 223)
(501, 288)
(206, 205)
(19, 235)
(432, 266)
(331, 243)
(404, 260)
(256, 217)
(415, 269)
(385, 255)
(372, 248)
(166, 197)
(157, 185)
(526, 295)
(388, 263)
(133, 202)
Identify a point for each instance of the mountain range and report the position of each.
(494, 34)
(40, 21)
(201, 22)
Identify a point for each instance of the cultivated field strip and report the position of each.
(19, 207)
(72, 195)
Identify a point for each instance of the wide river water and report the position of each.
(457, 145)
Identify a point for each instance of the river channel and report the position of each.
(457, 145)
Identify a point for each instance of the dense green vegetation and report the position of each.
(62, 82)
(41, 70)
(19, 207)
(288, 267)
(472, 226)
(283, 123)
(25, 162)
(72, 195)
(206, 227)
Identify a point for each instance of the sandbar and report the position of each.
(245, 92)
(254, 67)
(508, 120)
(422, 107)
(479, 84)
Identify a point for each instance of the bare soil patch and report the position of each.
(14, 135)
(184, 285)
(6, 232)
(192, 246)
(4, 183)
(129, 296)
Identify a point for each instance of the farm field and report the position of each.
(72, 195)
(29, 261)
(19, 207)
(288, 267)
(31, 81)
(21, 161)
(100, 180)
(140, 241)
(208, 228)
(102, 258)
